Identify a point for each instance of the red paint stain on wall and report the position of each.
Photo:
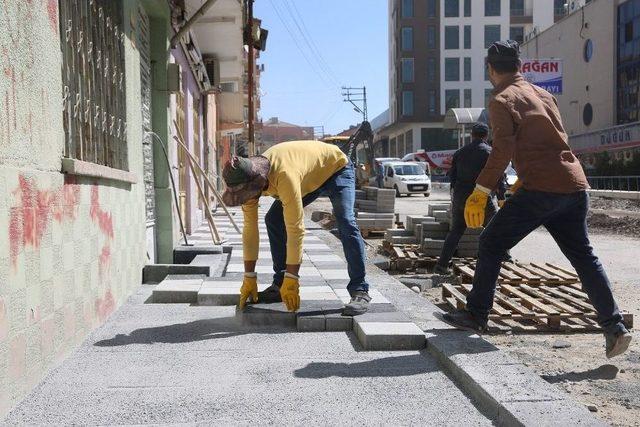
(99, 216)
(104, 260)
(52, 10)
(30, 219)
(105, 306)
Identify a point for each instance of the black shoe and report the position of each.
(359, 304)
(617, 343)
(463, 319)
(271, 295)
(444, 271)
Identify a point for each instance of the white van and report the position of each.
(406, 178)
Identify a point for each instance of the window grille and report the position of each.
(93, 79)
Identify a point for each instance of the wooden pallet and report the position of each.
(369, 232)
(528, 308)
(526, 273)
(406, 257)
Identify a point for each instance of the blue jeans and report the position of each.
(341, 190)
(565, 218)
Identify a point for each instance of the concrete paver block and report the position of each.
(222, 293)
(177, 291)
(380, 336)
(267, 315)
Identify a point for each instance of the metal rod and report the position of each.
(187, 26)
(173, 185)
(178, 138)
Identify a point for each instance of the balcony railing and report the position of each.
(620, 183)
(559, 11)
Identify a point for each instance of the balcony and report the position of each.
(521, 16)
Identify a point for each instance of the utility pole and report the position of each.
(250, 72)
(357, 95)
(318, 132)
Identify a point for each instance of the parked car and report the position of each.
(406, 178)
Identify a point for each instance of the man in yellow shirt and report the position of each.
(295, 173)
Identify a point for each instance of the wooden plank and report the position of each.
(513, 305)
(584, 305)
(571, 274)
(528, 301)
(541, 274)
(412, 255)
(552, 301)
(571, 289)
(496, 308)
(465, 270)
(397, 252)
(554, 273)
(519, 271)
(450, 290)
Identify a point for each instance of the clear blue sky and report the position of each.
(349, 41)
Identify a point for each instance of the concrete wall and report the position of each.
(584, 82)
(71, 247)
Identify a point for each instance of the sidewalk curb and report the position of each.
(509, 392)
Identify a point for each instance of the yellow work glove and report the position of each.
(248, 289)
(516, 186)
(475, 207)
(290, 292)
(501, 203)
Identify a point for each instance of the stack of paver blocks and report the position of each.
(375, 208)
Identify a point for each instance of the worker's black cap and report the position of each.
(504, 51)
(480, 129)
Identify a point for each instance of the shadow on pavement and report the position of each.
(199, 330)
(399, 366)
(604, 372)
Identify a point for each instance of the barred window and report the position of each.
(93, 75)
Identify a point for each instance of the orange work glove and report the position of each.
(248, 289)
(475, 207)
(290, 292)
(516, 186)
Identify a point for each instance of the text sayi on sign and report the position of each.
(546, 73)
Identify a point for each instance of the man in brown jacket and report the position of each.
(528, 130)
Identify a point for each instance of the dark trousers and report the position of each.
(565, 217)
(459, 225)
(341, 190)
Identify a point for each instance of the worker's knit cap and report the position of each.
(245, 179)
(503, 51)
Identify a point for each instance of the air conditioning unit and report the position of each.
(212, 66)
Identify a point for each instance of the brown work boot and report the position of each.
(618, 343)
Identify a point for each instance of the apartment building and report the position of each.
(436, 61)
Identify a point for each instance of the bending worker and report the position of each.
(295, 173)
(467, 164)
(527, 129)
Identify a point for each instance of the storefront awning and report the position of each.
(457, 117)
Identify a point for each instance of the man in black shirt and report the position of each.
(467, 164)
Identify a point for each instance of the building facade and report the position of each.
(87, 150)
(600, 52)
(275, 131)
(436, 61)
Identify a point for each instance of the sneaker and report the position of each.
(271, 295)
(617, 343)
(463, 319)
(359, 304)
(439, 269)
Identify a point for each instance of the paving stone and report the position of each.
(222, 293)
(177, 291)
(389, 317)
(335, 274)
(380, 336)
(325, 257)
(156, 273)
(267, 315)
(311, 317)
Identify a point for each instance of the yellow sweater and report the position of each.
(297, 169)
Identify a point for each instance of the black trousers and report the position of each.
(459, 225)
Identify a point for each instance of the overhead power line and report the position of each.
(306, 35)
(315, 69)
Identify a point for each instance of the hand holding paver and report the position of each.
(248, 289)
(475, 207)
(290, 292)
(516, 186)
